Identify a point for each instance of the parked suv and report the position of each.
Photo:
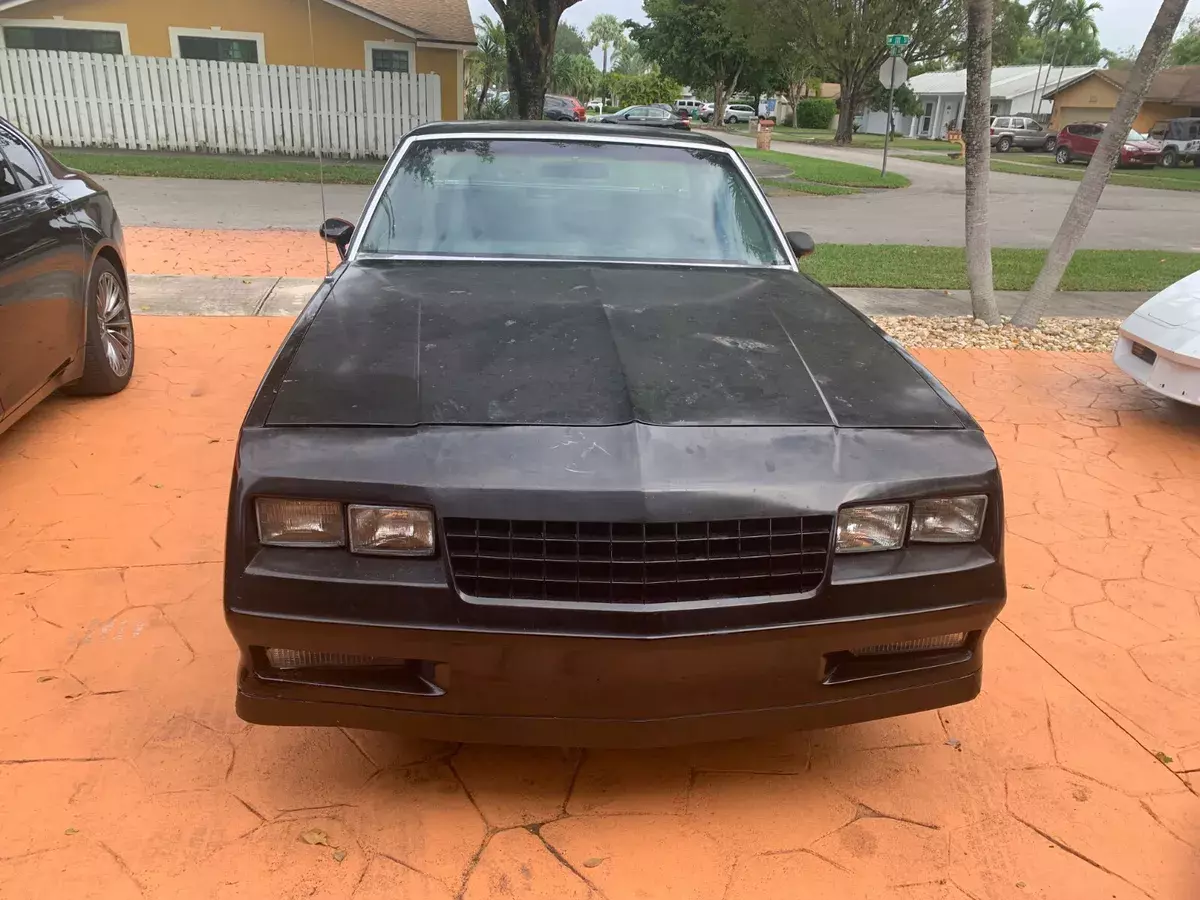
(1180, 139)
(564, 109)
(1019, 131)
(688, 108)
(738, 112)
(1080, 140)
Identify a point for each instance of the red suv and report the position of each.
(1079, 141)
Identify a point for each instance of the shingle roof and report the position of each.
(435, 20)
(1008, 82)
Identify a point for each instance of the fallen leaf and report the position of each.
(1163, 758)
(71, 831)
(593, 862)
(339, 855)
(955, 743)
(1028, 587)
(42, 679)
(315, 836)
(156, 485)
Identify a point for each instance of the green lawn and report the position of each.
(825, 136)
(1181, 179)
(827, 171)
(202, 165)
(945, 268)
(813, 176)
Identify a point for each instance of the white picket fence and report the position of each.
(147, 103)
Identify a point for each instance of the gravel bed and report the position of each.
(946, 332)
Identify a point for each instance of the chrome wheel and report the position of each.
(116, 327)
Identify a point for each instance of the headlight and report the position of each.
(863, 529)
(948, 520)
(299, 523)
(1129, 148)
(391, 531)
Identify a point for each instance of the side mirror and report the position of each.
(802, 244)
(626, 116)
(338, 232)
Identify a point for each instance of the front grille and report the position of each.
(634, 562)
(1144, 353)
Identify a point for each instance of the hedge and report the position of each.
(815, 113)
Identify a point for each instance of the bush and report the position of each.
(815, 113)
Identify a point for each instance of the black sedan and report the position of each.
(568, 451)
(64, 299)
(647, 116)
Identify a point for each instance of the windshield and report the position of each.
(1136, 136)
(571, 200)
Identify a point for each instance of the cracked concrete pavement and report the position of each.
(124, 772)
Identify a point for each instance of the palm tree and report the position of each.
(980, 22)
(1087, 196)
(607, 33)
(490, 61)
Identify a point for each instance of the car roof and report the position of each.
(549, 129)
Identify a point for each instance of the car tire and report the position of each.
(1004, 144)
(1063, 156)
(109, 348)
(1170, 158)
(1050, 145)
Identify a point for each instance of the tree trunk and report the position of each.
(487, 85)
(1087, 196)
(978, 161)
(845, 129)
(529, 28)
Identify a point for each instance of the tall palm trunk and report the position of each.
(978, 161)
(1087, 196)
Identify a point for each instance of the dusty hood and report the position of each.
(1177, 305)
(407, 344)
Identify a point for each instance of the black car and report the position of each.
(64, 298)
(652, 116)
(568, 451)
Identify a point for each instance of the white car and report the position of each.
(1159, 345)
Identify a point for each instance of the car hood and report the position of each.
(1178, 305)
(497, 343)
(1145, 146)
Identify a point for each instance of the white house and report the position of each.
(1015, 91)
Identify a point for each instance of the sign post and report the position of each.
(892, 74)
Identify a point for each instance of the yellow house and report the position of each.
(1174, 93)
(413, 36)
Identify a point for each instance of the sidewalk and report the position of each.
(199, 295)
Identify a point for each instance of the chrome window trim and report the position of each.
(560, 137)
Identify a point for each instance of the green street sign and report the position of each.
(899, 40)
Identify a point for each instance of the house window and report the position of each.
(389, 60)
(75, 40)
(217, 45)
(388, 56)
(218, 49)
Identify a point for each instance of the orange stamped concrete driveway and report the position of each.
(124, 772)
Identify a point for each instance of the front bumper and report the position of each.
(509, 688)
(1162, 371)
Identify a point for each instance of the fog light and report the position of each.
(941, 642)
(391, 531)
(308, 659)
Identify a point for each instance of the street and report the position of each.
(1026, 211)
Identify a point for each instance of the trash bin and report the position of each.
(763, 138)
